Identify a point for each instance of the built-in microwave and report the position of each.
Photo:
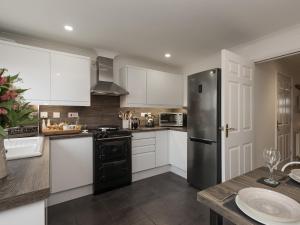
(170, 119)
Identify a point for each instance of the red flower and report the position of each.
(3, 111)
(3, 80)
(10, 94)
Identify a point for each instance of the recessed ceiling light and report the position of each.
(167, 55)
(68, 28)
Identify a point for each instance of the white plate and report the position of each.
(245, 209)
(270, 205)
(294, 177)
(296, 172)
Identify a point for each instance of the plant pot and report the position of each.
(3, 163)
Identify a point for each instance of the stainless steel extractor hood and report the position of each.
(105, 85)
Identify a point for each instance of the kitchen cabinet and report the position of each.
(70, 79)
(178, 149)
(33, 64)
(53, 78)
(33, 214)
(143, 161)
(151, 88)
(164, 89)
(134, 80)
(162, 148)
(143, 151)
(71, 163)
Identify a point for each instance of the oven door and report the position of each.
(112, 149)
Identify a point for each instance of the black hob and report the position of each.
(112, 158)
(110, 132)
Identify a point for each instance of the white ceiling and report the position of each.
(188, 29)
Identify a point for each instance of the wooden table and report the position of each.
(212, 196)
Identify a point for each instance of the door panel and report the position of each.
(284, 116)
(237, 112)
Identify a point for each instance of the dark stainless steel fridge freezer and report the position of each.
(204, 133)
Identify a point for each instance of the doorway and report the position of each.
(278, 100)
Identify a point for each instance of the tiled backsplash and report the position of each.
(154, 111)
(104, 110)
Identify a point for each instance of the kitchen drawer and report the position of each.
(143, 149)
(143, 142)
(141, 135)
(143, 161)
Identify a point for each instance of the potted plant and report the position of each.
(14, 111)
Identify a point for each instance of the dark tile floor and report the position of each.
(161, 200)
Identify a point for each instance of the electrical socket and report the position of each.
(72, 114)
(56, 115)
(44, 115)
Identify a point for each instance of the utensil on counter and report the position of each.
(268, 207)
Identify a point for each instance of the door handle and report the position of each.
(227, 129)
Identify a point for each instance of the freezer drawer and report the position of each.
(204, 166)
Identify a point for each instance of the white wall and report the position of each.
(273, 45)
(121, 61)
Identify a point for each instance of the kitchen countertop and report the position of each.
(27, 182)
(145, 129)
(141, 129)
(62, 136)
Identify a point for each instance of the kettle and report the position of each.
(149, 120)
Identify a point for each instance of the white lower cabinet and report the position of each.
(143, 161)
(162, 148)
(33, 214)
(71, 163)
(150, 150)
(178, 149)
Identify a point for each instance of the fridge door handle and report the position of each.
(202, 140)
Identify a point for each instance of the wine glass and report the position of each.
(272, 158)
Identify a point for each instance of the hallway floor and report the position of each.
(161, 200)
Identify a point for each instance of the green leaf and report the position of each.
(2, 132)
(7, 105)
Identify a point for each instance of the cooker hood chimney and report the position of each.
(105, 85)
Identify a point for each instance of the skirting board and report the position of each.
(150, 173)
(65, 196)
(178, 171)
(159, 170)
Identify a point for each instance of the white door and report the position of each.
(164, 88)
(136, 85)
(34, 68)
(70, 79)
(237, 115)
(284, 115)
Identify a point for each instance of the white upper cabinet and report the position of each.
(134, 80)
(164, 89)
(70, 79)
(33, 66)
(150, 88)
(52, 77)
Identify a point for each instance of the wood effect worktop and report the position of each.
(27, 182)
